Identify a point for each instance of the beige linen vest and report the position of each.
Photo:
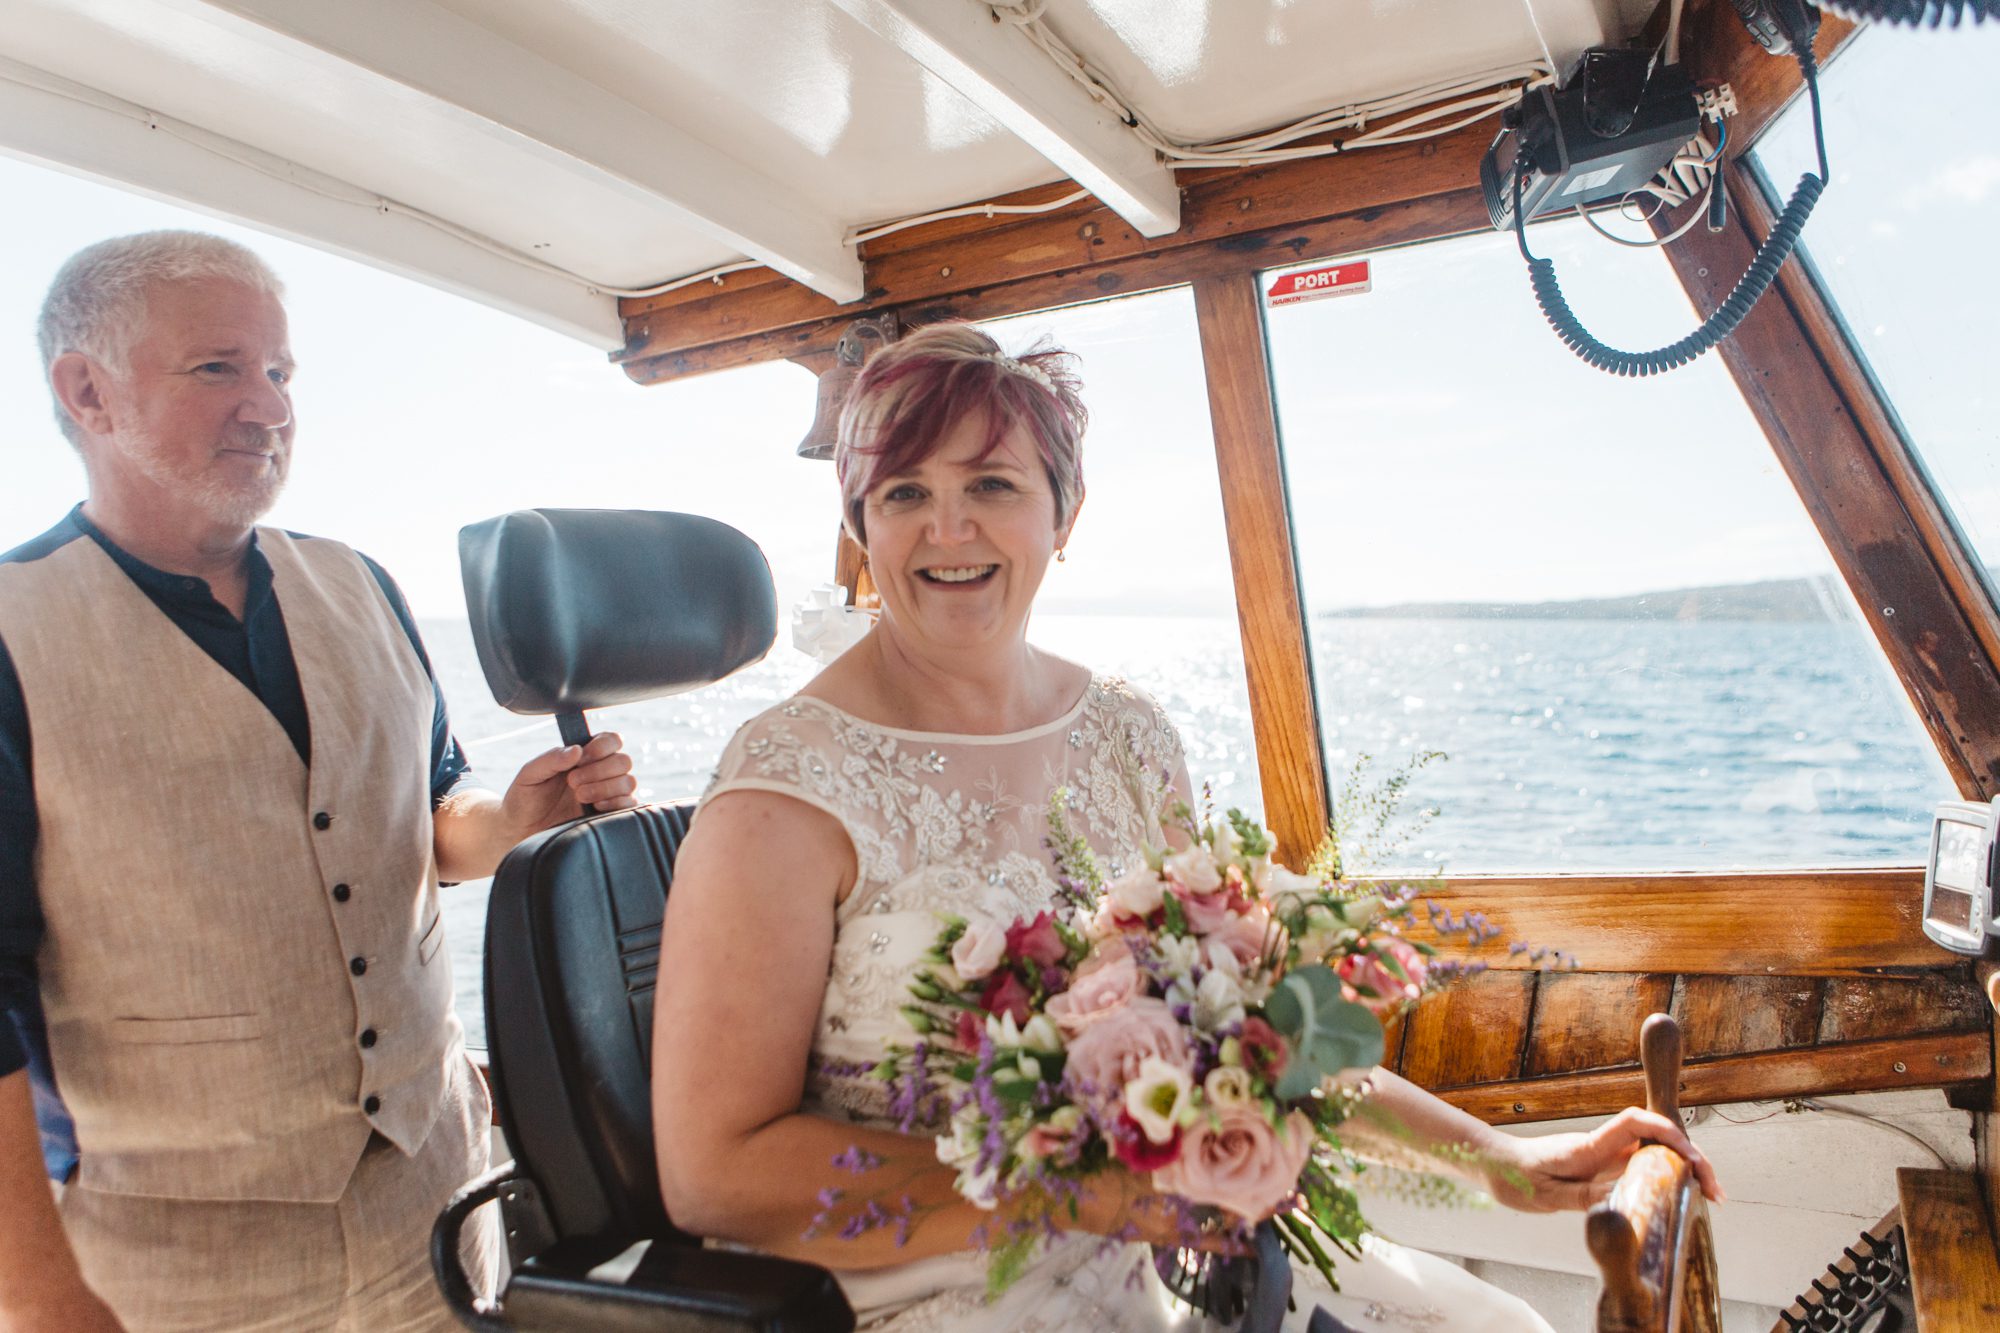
(223, 924)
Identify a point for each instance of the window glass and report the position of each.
(420, 412)
(1600, 597)
(1146, 591)
(1901, 242)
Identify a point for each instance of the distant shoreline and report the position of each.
(1772, 600)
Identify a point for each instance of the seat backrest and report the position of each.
(572, 957)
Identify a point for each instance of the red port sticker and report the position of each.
(1310, 284)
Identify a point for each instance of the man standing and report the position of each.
(228, 791)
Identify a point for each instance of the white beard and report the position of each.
(232, 503)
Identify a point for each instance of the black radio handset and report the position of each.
(1780, 26)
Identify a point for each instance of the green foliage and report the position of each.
(1326, 1032)
(1250, 835)
(1369, 824)
(1073, 857)
(1176, 916)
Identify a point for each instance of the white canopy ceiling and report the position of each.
(538, 154)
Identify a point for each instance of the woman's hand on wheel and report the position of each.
(1576, 1171)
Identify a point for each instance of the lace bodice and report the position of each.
(945, 823)
(957, 823)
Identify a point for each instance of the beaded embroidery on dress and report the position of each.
(957, 823)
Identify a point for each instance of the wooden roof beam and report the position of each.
(1005, 75)
(425, 47)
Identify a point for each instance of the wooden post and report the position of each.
(1248, 458)
(1837, 442)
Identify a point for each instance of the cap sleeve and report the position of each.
(796, 750)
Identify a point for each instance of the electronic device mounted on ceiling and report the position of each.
(1606, 132)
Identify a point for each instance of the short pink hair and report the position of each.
(914, 392)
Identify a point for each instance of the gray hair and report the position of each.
(97, 304)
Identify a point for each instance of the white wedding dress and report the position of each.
(949, 822)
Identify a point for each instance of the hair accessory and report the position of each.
(1019, 367)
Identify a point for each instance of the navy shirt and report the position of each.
(257, 651)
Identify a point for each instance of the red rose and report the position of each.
(1137, 1151)
(970, 1030)
(1004, 994)
(1036, 941)
(1264, 1052)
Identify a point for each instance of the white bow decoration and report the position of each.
(824, 626)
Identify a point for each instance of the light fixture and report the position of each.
(838, 378)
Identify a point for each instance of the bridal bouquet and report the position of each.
(1205, 1018)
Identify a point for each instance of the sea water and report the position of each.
(1571, 746)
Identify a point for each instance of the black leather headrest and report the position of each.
(586, 608)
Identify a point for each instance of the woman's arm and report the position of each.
(1543, 1174)
(746, 947)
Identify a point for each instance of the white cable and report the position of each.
(1503, 87)
(856, 236)
(1690, 173)
(1673, 43)
(1536, 23)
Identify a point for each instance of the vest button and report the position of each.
(372, 1105)
(341, 893)
(322, 821)
(357, 966)
(367, 1038)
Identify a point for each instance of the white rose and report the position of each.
(1227, 1085)
(1135, 893)
(1158, 1098)
(1218, 1001)
(979, 950)
(1194, 870)
(1273, 879)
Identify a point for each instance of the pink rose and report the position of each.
(1236, 1161)
(1004, 994)
(1372, 983)
(1106, 1055)
(969, 1029)
(1205, 912)
(1107, 979)
(1248, 934)
(979, 950)
(1036, 941)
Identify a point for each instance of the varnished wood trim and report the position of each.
(1432, 217)
(1244, 211)
(1248, 459)
(1954, 1266)
(1941, 540)
(1805, 387)
(1474, 1032)
(1798, 923)
(1813, 1071)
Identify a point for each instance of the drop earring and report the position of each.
(1061, 555)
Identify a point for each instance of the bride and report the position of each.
(910, 777)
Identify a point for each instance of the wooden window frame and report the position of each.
(1864, 491)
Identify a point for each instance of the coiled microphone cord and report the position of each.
(1756, 280)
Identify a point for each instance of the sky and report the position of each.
(1441, 445)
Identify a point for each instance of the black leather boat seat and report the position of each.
(574, 610)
